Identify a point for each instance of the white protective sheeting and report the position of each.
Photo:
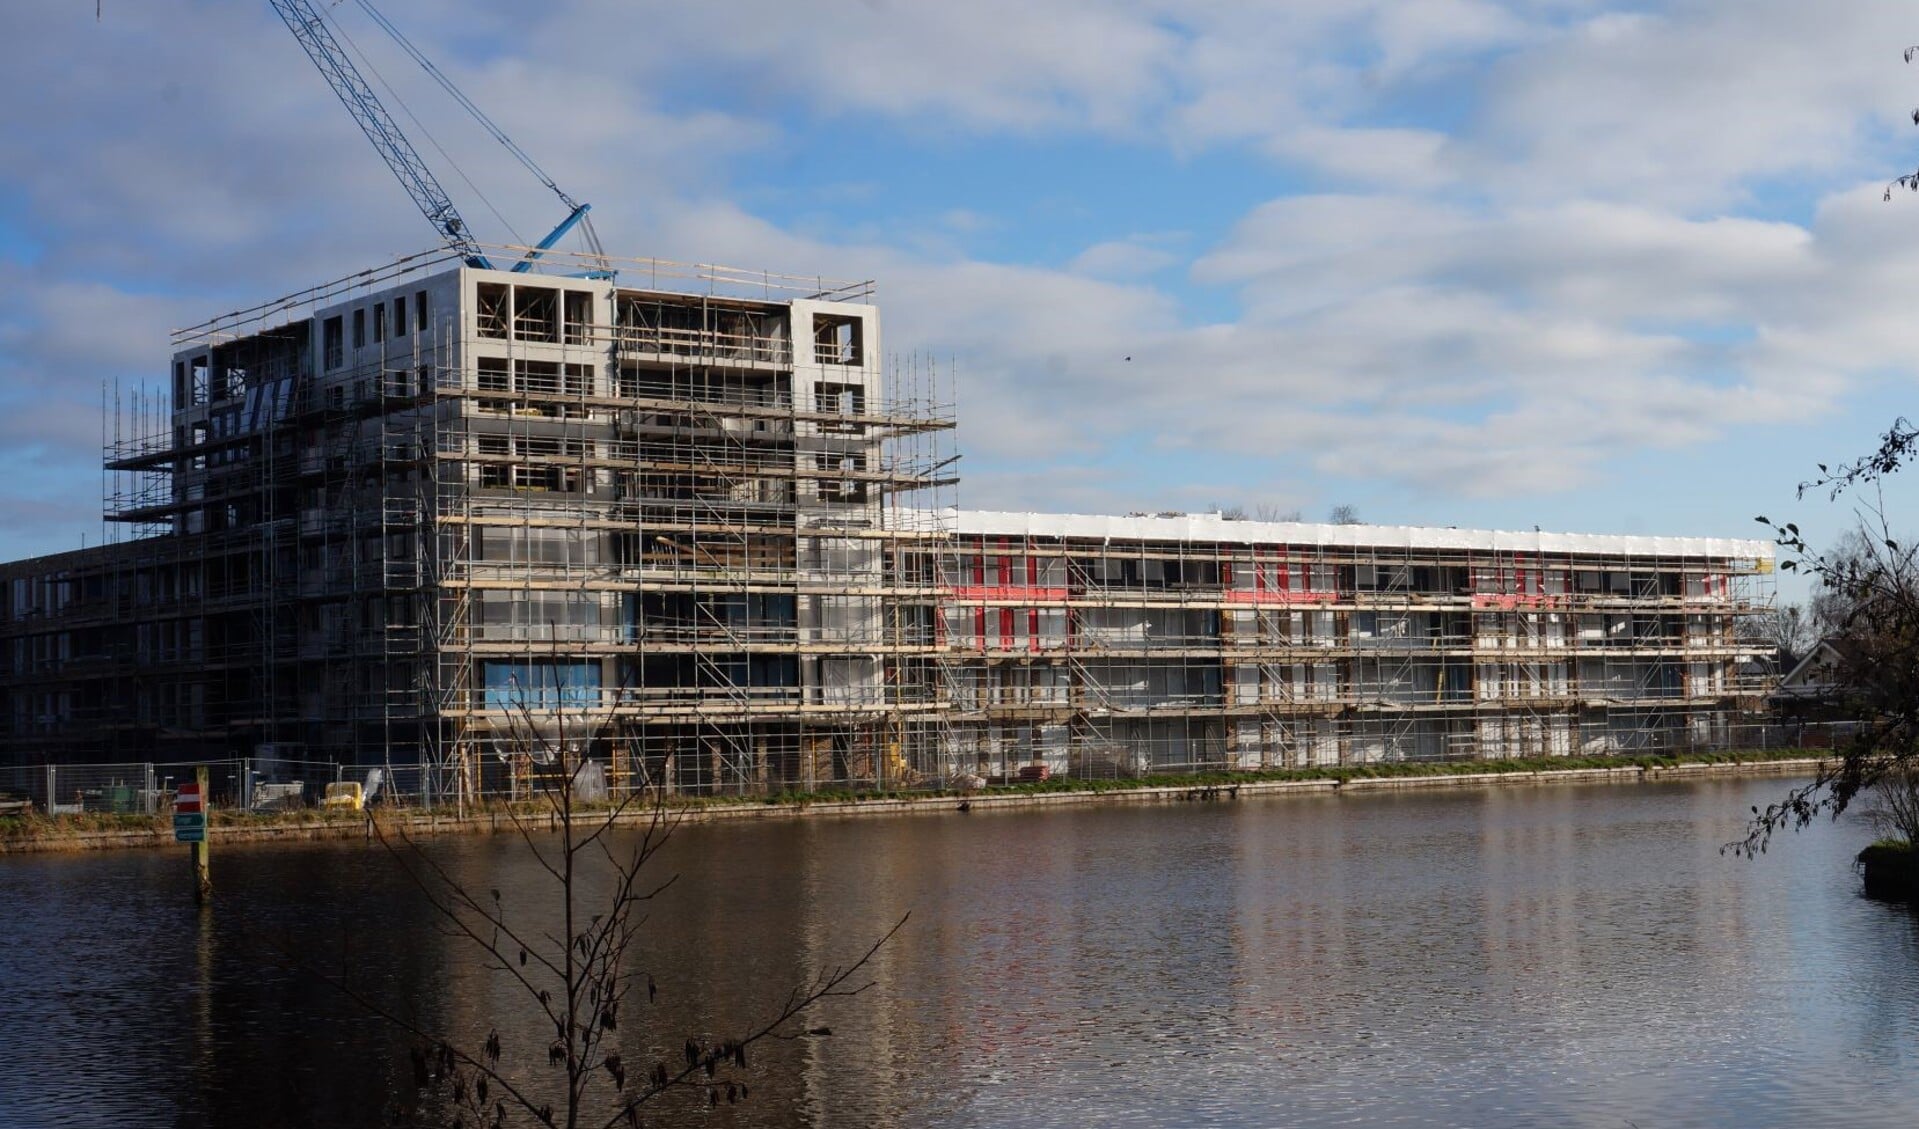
(1212, 527)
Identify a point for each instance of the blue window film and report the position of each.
(544, 685)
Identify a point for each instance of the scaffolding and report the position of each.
(678, 539)
(438, 514)
(1115, 647)
(688, 520)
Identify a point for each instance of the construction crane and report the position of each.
(317, 40)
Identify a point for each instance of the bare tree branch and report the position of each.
(1867, 593)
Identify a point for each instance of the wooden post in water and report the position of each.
(202, 879)
(190, 805)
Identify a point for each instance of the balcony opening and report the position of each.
(844, 489)
(577, 322)
(491, 311)
(840, 399)
(536, 314)
(837, 339)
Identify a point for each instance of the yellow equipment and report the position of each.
(346, 794)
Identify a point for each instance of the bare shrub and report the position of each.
(1894, 807)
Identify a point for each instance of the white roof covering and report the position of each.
(1212, 527)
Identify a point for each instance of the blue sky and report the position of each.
(1586, 266)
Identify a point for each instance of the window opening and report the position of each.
(334, 350)
(536, 315)
(579, 312)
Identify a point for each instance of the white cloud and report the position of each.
(1541, 237)
(1547, 340)
(1132, 257)
(994, 65)
(1403, 158)
(1692, 105)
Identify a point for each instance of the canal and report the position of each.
(1559, 955)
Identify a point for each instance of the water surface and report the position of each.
(1565, 955)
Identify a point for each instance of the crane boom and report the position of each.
(317, 40)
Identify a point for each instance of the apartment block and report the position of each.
(1115, 645)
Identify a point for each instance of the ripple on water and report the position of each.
(1576, 956)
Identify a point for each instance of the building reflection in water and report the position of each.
(1487, 956)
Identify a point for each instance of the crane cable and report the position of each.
(479, 116)
(459, 96)
(366, 62)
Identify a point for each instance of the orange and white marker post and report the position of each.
(190, 827)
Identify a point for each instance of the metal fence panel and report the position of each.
(120, 789)
(274, 783)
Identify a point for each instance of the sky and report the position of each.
(1584, 266)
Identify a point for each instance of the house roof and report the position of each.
(1809, 676)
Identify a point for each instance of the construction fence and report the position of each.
(266, 785)
(147, 788)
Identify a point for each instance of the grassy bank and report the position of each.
(97, 830)
(1388, 770)
(79, 828)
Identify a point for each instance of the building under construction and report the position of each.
(687, 520)
(448, 516)
(1112, 645)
